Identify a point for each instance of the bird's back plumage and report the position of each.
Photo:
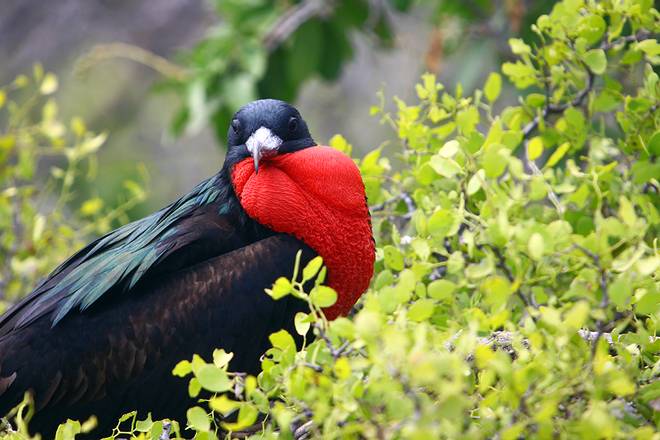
(118, 260)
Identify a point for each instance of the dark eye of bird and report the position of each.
(236, 126)
(293, 123)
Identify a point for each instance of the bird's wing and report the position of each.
(121, 357)
(120, 259)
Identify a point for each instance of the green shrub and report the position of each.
(42, 158)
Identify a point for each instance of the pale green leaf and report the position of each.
(198, 419)
(493, 86)
(323, 296)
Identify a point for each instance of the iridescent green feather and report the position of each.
(120, 258)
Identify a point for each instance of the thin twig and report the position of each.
(642, 34)
(335, 352)
(534, 123)
(410, 203)
(102, 52)
(504, 339)
(605, 297)
(293, 18)
(303, 432)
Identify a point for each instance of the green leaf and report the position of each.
(467, 120)
(494, 162)
(592, 28)
(223, 405)
(648, 302)
(534, 148)
(282, 340)
(421, 247)
(653, 145)
(440, 289)
(339, 142)
(441, 223)
(449, 149)
(475, 182)
(198, 419)
(323, 296)
(536, 246)
(647, 266)
(302, 323)
(557, 155)
(480, 270)
(519, 47)
(421, 310)
(342, 368)
(194, 387)
(182, 369)
(497, 290)
(522, 75)
(493, 86)
(576, 317)
(596, 60)
(213, 378)
(393, 258)
(247, 415)
(627, 212)
(281, 288)
(144, 425)
(620, 291)
(445, 167)
(383, 279)
(67, 430)
(221, 358)
(239, 89)
(650, 47)
(312, 268)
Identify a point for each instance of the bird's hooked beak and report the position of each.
(262, 143)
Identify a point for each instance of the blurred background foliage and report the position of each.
(270, 48)
(209, 57)
(43, 159)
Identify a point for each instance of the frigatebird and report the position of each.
(102, 333)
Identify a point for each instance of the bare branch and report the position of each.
(605, 298)
(642, 34)
(503, 340)
(293, 19)
(102, 52)
(410, 203)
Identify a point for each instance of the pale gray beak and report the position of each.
(262, 143)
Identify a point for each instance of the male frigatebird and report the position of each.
(101, 334)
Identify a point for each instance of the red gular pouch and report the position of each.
(316, 195)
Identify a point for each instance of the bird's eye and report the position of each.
(236, 126)
(293, 123)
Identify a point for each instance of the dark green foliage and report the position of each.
(269, 49)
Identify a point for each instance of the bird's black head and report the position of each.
(264, 128)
